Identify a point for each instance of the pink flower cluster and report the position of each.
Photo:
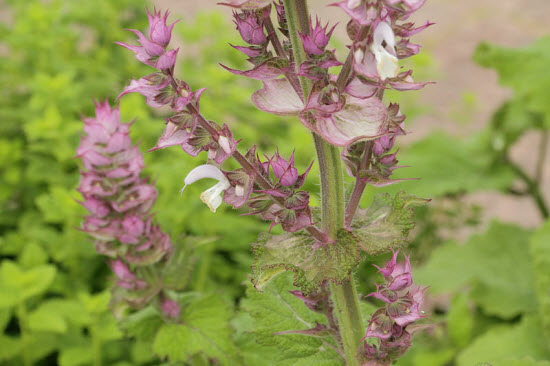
(403, 307)
(269, 188)
(119, 203)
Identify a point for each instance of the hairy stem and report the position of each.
(279, 50)
(296, 12)
(273, 37)
(344, 296)
(360, 185)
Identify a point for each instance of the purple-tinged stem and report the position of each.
(347, 70)
(273, 37)
(360, 185)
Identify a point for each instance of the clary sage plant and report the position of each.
(354, 131)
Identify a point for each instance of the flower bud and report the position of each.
(251, 27)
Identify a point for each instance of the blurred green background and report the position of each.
(478, 143)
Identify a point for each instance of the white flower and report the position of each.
(212, 197)
(383, 48)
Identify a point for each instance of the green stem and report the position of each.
(346, 302)
(24, 329)
(350, 322)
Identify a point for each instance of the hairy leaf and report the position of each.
(277, 310)
(312, 264)
(204, 328)
(386, 223)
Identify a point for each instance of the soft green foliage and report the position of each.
(528, 361)
(56, 57)
(17, 285)
(204, 329)
(460, 321)
(496, 264)
(507, 342)
(447, 165)
(524, 69)
(277, 310)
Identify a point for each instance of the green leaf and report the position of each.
(496, 264)
(41, 344)
(312, 264)
(524, 69)
(277, 310)
(204, 329)
(540, 252)
(460, 321)
(386, 223)
(71, 310)
(143, 324)
(76, 356)
(17, 285)
(59, 206)
(32, 255)
(9, 347)
(107, 328)
(42, 319)
(507, 342)
(97, 303)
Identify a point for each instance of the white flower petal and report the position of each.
(383, 48)
(212, 197)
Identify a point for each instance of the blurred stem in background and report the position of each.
(543, 149)
(533, 184)
(533, 187)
